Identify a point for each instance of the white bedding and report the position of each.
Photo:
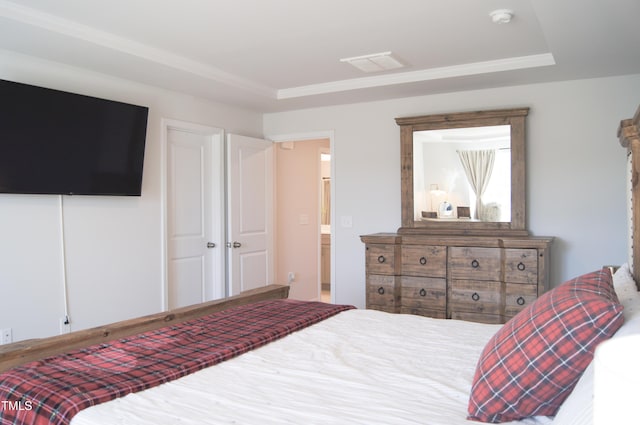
(359, 367)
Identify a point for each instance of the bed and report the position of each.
(260, 358)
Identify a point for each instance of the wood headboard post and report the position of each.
(629, 135)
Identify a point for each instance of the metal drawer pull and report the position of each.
(475, 264)
(423, 260)
(520, 301)
(381, 290)
(423, 293)
(521, 266)
(381, 259)
(475, 296)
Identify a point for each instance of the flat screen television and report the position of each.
(55, 142)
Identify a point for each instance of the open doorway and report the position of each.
(300, 237)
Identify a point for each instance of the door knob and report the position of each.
(211, 245)
(234, 245)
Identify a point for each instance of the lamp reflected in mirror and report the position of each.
(438, 199)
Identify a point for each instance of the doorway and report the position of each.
(297, 256)
(250, 236)
(301, 239)
(193, 221)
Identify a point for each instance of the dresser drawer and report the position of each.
(424, 260)
(436, 314)
(383, 292)
(381, 259)
(424, 292)
(474, 263)
(475, 297)
(518, 297)
(477, 317)
(521, 266)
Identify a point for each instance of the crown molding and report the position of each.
(476, 68)
(113, 42)
(161, 57)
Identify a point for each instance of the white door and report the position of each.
(250, 213)
(194, 190)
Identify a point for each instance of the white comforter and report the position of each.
(359, 367)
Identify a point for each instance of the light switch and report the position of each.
(303, 219)
(346, 221)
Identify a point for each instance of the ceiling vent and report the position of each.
(375, 62)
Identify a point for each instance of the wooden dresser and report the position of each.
(480, 278)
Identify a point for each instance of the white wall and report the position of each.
(113, 243)
(575, 168)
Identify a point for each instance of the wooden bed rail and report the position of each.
(25, 351)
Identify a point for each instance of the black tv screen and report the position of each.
(54, 142)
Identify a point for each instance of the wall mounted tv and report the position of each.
(54, 142)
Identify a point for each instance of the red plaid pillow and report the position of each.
(533, 362)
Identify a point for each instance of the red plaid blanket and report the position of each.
(53, 390)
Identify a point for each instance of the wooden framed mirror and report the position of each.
(464, 173)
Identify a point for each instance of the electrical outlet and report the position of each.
(291, 277)
(7, 336)
(65, 326)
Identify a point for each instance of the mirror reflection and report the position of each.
(325, 191)
(462, 174)
(455, 208)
